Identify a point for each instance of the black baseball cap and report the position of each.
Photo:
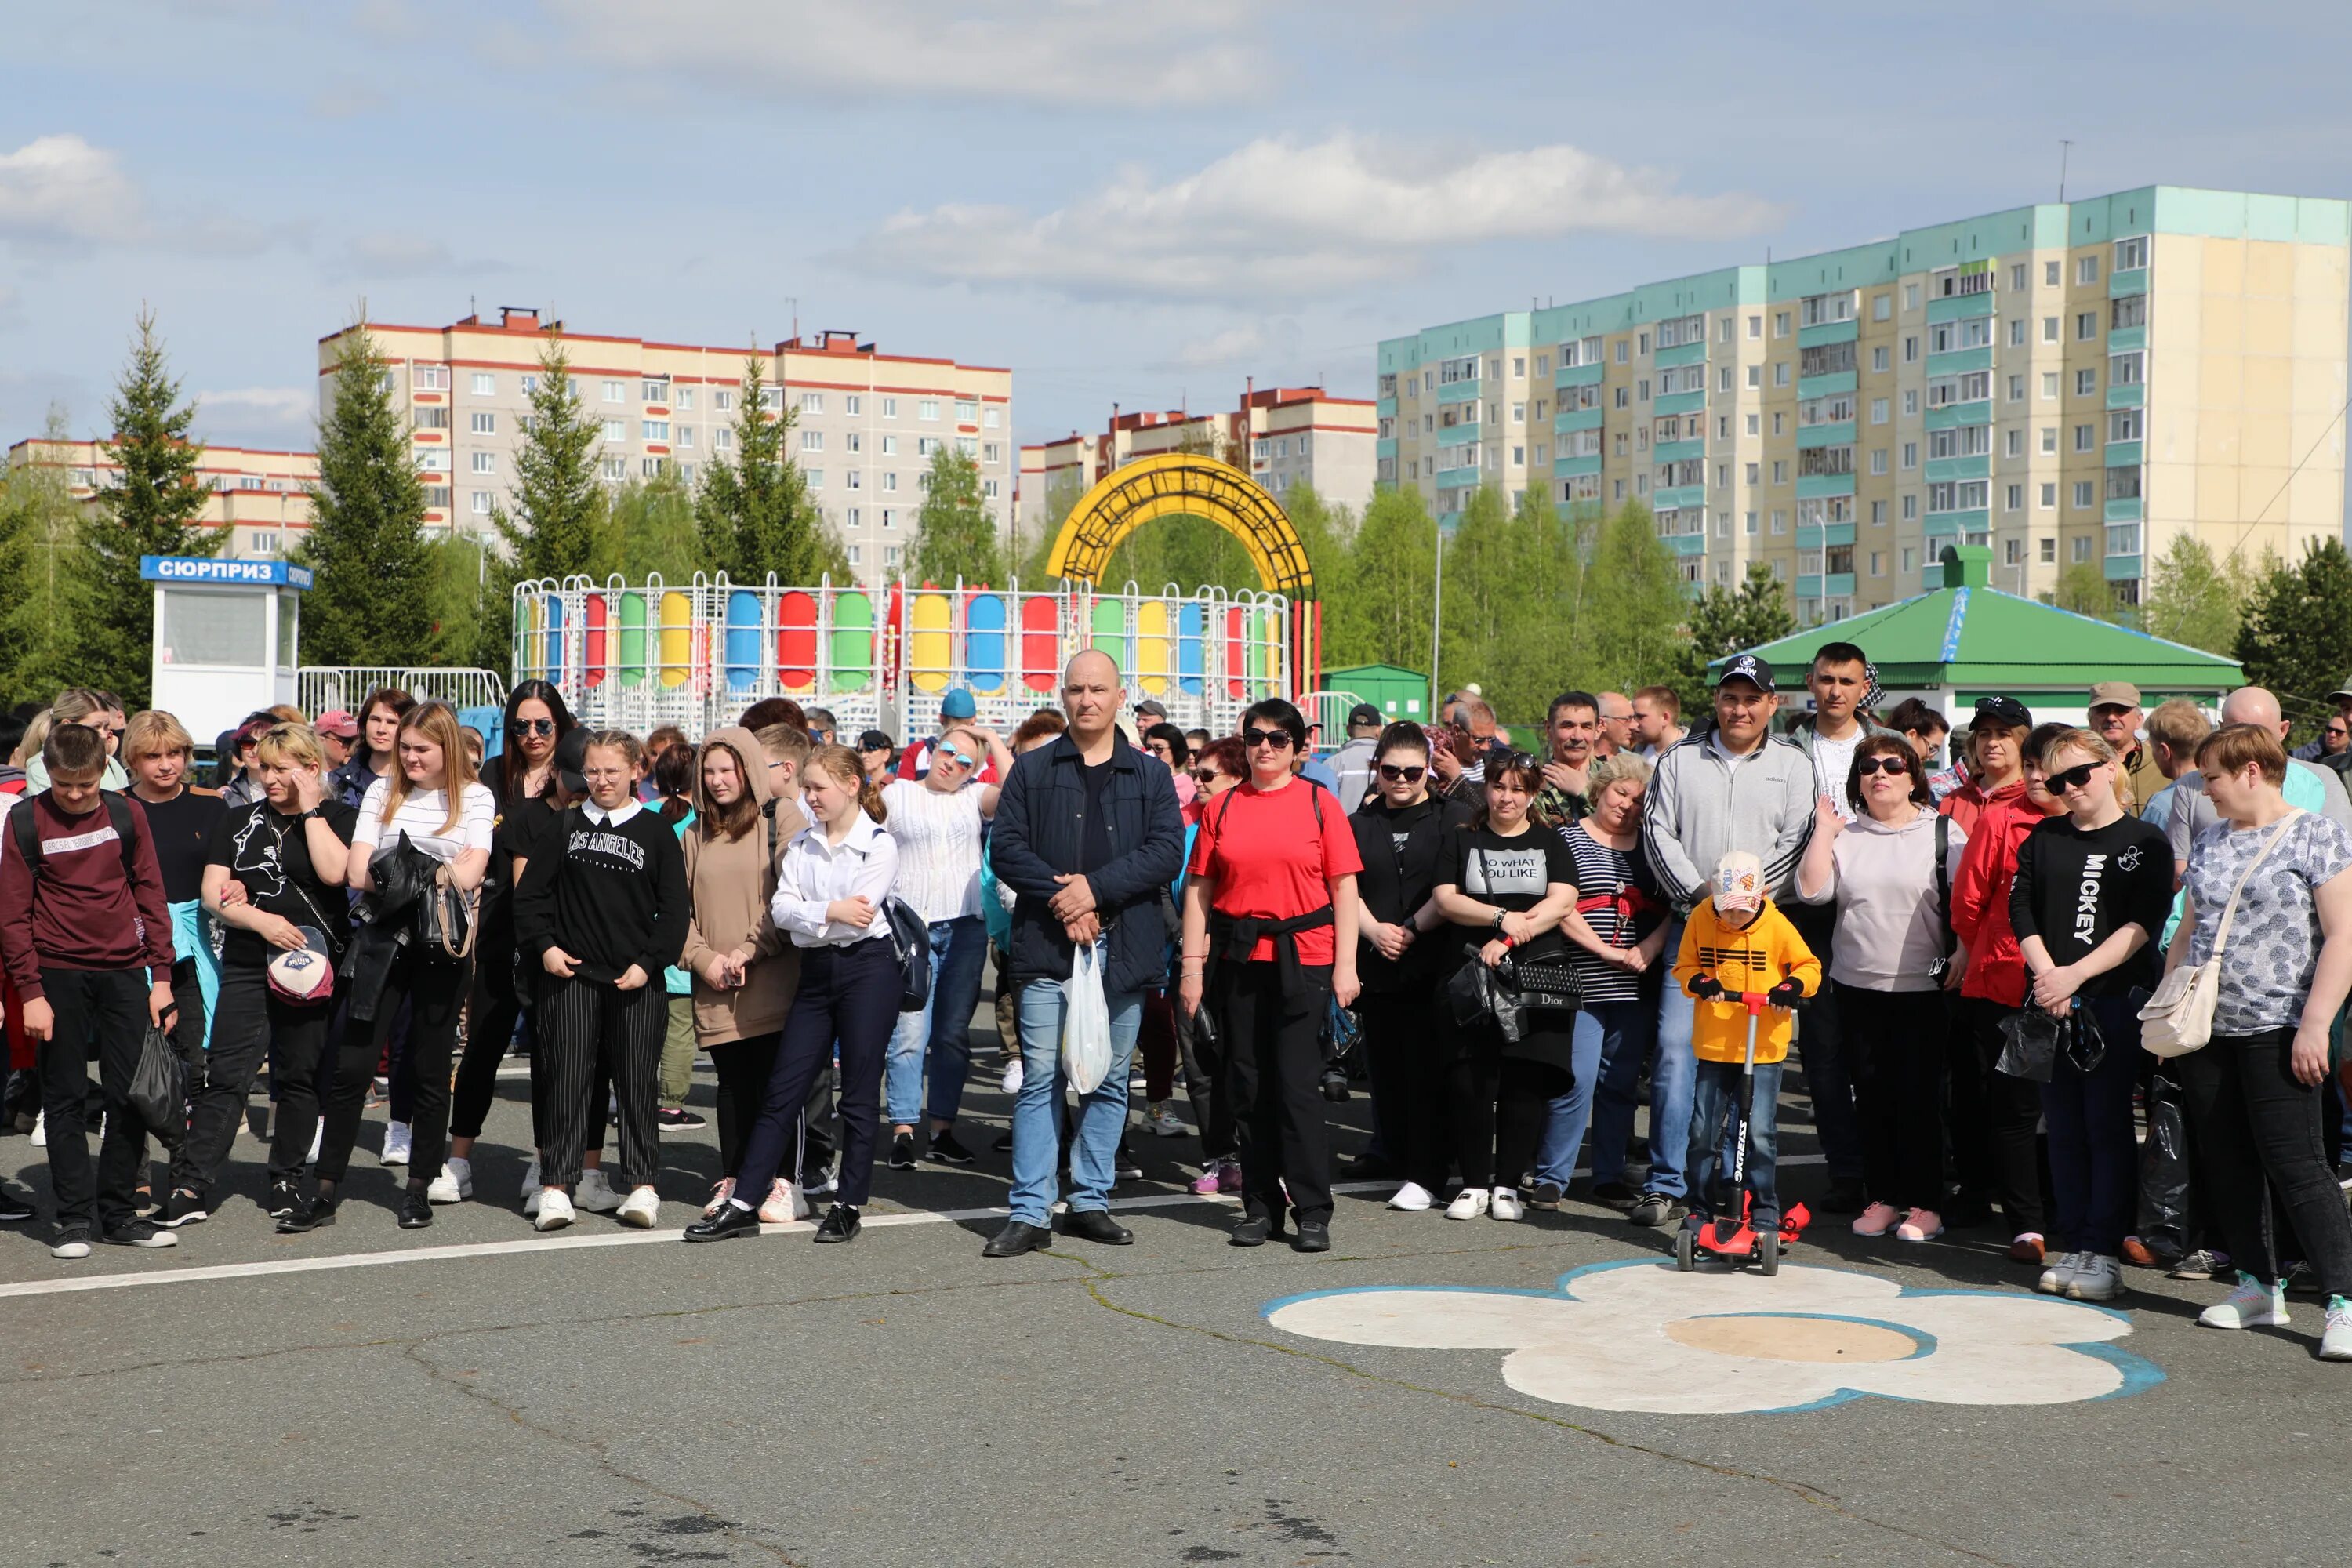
(1749, 667)
(872, 741)
(1362, 713)
(2006, 710)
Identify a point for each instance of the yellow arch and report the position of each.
(1183, 484)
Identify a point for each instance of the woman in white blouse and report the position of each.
(936, 822)
(836, 877)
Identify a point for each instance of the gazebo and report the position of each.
(1968, 639)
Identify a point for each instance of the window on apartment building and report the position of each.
(2012, 553)
(2086, 491)
(967, 411)
(2127, 312)
(1755, 375)
(2080, 550)
(654, 389)
(816, 478)
(991, 452)
(481, 503)
(1881, 307)
(2131, 254)
(1723, 525)
(1911, 349)
(1518, 366)
(889, 517)
(1878, 514)
(851, 441)
(1911, 403)
(435, 417)
(771, 398)
(1780, 422)
(926, 444)
(1910, 295)
(722, 400)
(2049, 329)
(2017, 389)
(685, 404)
(485, 462)
(1779, 522)
(2017, 277)
(1878, 358)
(2086, 269)
(2124, 370)
(656, 429)
(429, 377)
(529, 384)
(2014, 497)
(485, 383)
(811, 402)
(2049, 384)
(1911, 507)
(1642, 390)
(890, 481)
(615, 392)
(2047, 497)
(1781, 373)
(1780, 324)
(1518, 456)
(613, 468)
(2125, 425)
(2050, 440)
(853, 479)
(1755, 473)
(722, 437)
(2086, 326)
(1723, 476)
(1748, 522)
(1543, 364)
(856, 552)
(2017, 332)
(2012, 443)
(1755, 327)
(1723, 378)
(1879, 459)
(1624, 397)
(1910, 455)
(2047, 551)
(927, 408)
(812, 441)
(1724, 328)
(988, 488)
(2049, 274)
(1878, 410)
(1519, 413)
(686, 435)
(616, 430)
(890, 554)
(852, 403)
(1617, 490)
(2086, 382)
(483, 422)
(1620, 347)
(889, 408)
(650, 468)
(1779, 471)
(970, 446)
(2085, 437)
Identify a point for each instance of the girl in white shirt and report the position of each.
(830, 890)
(436, 802)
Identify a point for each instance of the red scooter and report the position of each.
(1738, 1243)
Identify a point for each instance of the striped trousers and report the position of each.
(588, 1032)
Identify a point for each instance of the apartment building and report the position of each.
(867, 424)
(1291, 434)
(262, 496)
(2069, 384)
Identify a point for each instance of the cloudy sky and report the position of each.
(1123, 201)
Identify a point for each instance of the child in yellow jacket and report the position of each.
(1740, 942)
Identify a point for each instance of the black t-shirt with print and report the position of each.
(271, 854)
(1511, 874)
(2073, 889)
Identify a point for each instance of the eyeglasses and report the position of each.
(1409, 773)
(1869, 766)
(534, 726)
(1278, 739)
(2072, 778)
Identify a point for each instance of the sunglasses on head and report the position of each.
(534, 726)
(1278, 739)
(1869, 766)
(1409, 772)
(2077, 777)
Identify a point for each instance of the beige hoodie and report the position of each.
(731, 882)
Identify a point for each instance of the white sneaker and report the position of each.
(70, 1245)
(2253, 1305)
(2060, 1274)
(1413, 1198)
(397, 1140)
(1468, 1204)
(455, 1184)
(1505, 1204)
(719, 1193)
(595, 1193)
(1011, 1081)
(530, 1202)
(317, 1136)
(554, 1209)
(1163, 1122)
(2098, 1277)
(641, 1208)
(530, 1182)
(41, 1141)
(2335, 1340)
(785, 1204)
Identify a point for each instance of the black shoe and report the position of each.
(1255, 1230)
(1846, 1197)
(14, 1209)
(1125, 1167)
(138, 1233)
(1966, 1212)
(1615, 1194)
(143, 1204)
(1004, 1144)
(1313, 1235)
(284, 1199)
(822, 1183)
(308, 1215)
(416, 1213)
(1096, 1224)
(728, 1222)
(945, 1150)
(1017, 1237)
(902, 1151)
(840, 1224)
(1544, 1195)
(678, 1119)
(183, 1208)
(1657, 1208)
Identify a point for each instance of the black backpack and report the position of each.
(118, 813)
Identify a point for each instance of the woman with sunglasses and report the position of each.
(1507, 878)
(1270, 884)
(937, 822)
(1890, 872)
(1401, 835)
(2092, 889)
(1167, 742)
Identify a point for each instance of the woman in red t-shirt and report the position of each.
(1273, 873)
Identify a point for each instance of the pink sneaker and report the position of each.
(1875, 1220)
(1229, 1175)
(720, 1191)
(1205, 1183)
(1920, 1224)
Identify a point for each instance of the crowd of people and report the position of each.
(1951, 936)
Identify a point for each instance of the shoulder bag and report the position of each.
(2178, 1018)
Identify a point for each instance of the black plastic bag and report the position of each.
(2030, 1045)
(2164, 1172)
(2084, 1044)
(159, 1088)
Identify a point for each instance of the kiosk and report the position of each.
(225, 636)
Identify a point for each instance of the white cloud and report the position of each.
(61, 188)
(261, 405)
(1235, 346)
(1093, 53)
(1278, 219)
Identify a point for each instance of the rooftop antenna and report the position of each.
(2064, 147)
(794, 301)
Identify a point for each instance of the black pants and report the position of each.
(490, 1031)
(1410, 1058)
(250, 1022)
(2258, 1130)
(1896, 1042)
(848, 997)
(433, 985)
(1205, 1071)
(743, 1068)
(1499, 1105)
(590, 1034)
(101, 1011)
(1994, 1119)
(1274, 1070)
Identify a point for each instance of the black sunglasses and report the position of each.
(1279, 740)
(1408, 773)
(2072, 778)
(1869, 766)
(534, 726)
(1204, 776)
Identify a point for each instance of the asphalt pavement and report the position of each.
(475, 1393)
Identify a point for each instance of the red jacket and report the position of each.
(1980, 898)
(1967, 803)
(82, 911)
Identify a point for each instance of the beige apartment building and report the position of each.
(867, 424)
(262, 496)
(1291, 434)
(2071, 384)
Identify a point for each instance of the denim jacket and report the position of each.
(1037, 834)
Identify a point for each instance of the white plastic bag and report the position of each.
(1085, 1021)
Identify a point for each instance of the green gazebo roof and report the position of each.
(1969, 634)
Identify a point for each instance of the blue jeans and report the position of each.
(1564, 1124)
(1625, 1030)
(1036, 1120)
(1669, 1082)
(1715, 1115)
(957, 947)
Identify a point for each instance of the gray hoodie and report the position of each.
(1701, 806)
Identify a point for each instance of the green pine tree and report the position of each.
(1479, 591)
(1377, 610)
(2193, 600)
(955, 537)
(1725, 621)
(370, 601)
(559, 502)
(2297, 638)
(1637, 633)
(753, 508)
(43, 556)
(648, 527)
(469, 599)
(151, 506)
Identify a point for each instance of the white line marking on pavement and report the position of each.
(576, 1241)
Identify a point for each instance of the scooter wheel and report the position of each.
(1685, 1256)
(1768, 1250)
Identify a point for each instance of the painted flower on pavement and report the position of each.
(1637, 1335)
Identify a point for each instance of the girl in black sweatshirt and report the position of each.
(604, 918)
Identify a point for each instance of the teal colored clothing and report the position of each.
(680, 982)
(193, 931)
(993, 912)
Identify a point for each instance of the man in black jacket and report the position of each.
(1088, 837)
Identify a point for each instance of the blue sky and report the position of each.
(1122, 202)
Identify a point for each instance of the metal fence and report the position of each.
(318, 687)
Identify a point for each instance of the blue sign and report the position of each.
(232, 574)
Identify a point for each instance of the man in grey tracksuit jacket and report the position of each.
(1735, 787)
